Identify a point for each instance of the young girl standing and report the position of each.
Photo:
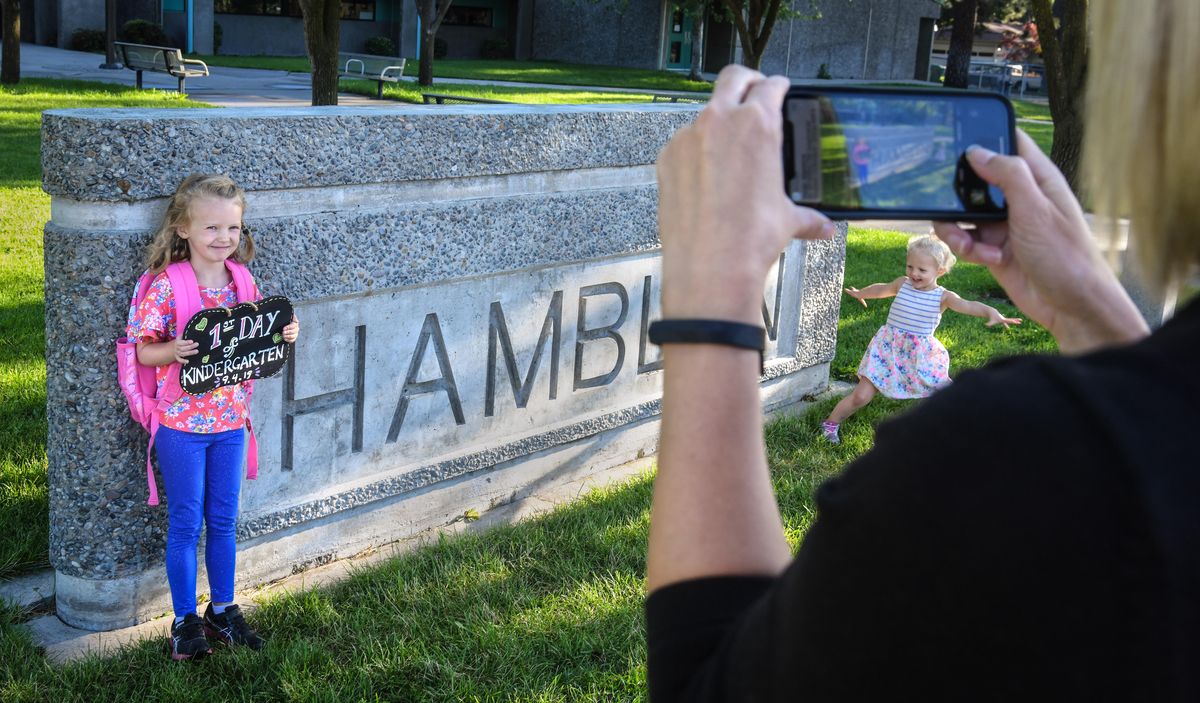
(904, 359)
(201, 441)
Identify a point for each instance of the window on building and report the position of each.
(290, 8)
(469, 17)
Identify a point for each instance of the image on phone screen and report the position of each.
(893, 153)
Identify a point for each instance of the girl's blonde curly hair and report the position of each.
(168, 247)
(935, 249)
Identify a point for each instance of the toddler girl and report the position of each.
(904, 359)
(201, 442)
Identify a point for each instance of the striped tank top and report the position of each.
(916, 311)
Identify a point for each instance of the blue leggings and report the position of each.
(203, 475)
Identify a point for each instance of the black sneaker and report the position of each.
(231, 628)
(187, 639)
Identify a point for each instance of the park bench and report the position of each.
(381, 69)
(440, 99)
(160, 59)
(669, 98)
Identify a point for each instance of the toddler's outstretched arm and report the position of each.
(955, 302)
(875, 290)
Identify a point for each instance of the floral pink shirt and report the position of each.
(218, 410)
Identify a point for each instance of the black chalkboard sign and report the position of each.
(241, 343)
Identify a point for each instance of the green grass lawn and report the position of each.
(1029, 110)
(411, 93)
(24, 208)
(545, 610)
(499, 70)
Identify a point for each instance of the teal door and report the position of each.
(679, 39)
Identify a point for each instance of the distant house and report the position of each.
(875, 39)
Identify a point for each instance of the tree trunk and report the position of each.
(754, 28)
(431, 12)
(1065, 53)
(322, 26)
(425, 75)
(10, 62)
(698, 47)
(962, 38)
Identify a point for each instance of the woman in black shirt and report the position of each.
(1063, 561)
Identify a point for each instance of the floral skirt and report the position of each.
(904, 364)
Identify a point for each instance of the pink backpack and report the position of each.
(138, 381)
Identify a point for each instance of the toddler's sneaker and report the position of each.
(231, 628)
(187, 639)
(830, 431)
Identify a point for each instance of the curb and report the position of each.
(29, 591)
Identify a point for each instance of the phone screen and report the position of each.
(893, 153)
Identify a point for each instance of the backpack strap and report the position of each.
(247, 292)
(186, 292)
(187, 303)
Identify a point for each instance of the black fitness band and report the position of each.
(731, 334)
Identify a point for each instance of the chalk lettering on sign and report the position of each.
(294, 407)
(431, 330)
(583, 334)
(236, 344)
(498, 337)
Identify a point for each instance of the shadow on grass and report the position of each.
(548, 609)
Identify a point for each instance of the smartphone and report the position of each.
(858, 153)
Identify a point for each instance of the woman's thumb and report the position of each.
(1009, 173)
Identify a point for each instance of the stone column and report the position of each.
(474, 283)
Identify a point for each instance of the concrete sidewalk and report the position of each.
(226, 87)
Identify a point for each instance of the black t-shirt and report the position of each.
(1032, 532)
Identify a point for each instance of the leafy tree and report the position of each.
(431, 12)
(755, 20)
(10, 70)
(322, 26)
(1065, 52)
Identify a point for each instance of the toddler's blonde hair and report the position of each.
(168, 247)
(934, 248)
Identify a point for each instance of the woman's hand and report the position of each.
(291, 332)
(1044, 255)
(723, 215)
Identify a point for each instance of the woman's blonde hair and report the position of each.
(1142, 141)
(168, 247)
(935, 249)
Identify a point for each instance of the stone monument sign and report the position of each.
(474, 286)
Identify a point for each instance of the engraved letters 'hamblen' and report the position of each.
(410, 376)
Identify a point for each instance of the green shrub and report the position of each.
(87, 40)
(143, 32)
(823, 72)
(440, 48)
(218, 36)
(380, 46)
(495, 49)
